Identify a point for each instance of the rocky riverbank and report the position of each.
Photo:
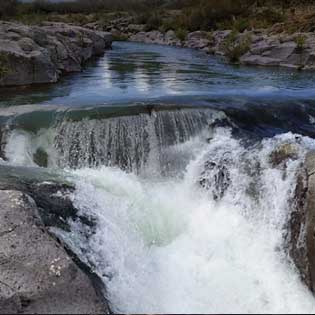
(261, 47)
(291, 51)
(38, 272)
(41, 54)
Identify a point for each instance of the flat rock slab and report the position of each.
(36, 273)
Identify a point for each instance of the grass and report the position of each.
(235, 46)
(181, 34)
(300, 41)
(4, 65)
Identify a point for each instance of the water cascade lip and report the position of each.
(126, 136)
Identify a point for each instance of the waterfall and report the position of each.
(197, 243)
(129, 142)
(191, 212)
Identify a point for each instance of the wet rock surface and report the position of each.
(41, 54)
(221, 175)
(37, 275)
(51, 194)
(283, 153)
(301, 238)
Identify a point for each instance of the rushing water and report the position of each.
(191, 212)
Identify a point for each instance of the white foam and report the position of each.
(22, 145)
(168, 247)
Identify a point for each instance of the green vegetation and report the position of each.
(8, 8)
(181, 34)
(119, 37)
(300, 43)
(179, 15)
(4, 67)
(235, 46)
(154, 22)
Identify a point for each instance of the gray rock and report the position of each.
(40, 54)
(220, 173)
(135, 28)
(154, 37)
(259, 60)
(283, 153)
(198, 40)
(171, 39)
(282, 51)
(301, 239)
(36, 273)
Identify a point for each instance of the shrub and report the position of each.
(119, 37)
(300, 42)
(154, 22)
(8, 8)
(270, 15)
(235, 46)
(181, 34)
(240, 25)
(4, 67)
(168, 24)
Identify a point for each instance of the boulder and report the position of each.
(40, 54)
(198, 40)
(215, 178)
(259, 60)
(281, 51)
(37, 275)
(52, 194)
(171, 39)
(301, 239)
(283, 153)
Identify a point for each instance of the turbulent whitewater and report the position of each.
(192, 220)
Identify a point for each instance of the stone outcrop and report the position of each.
(33, 203)
(301, 236)
(157, 37)
(37, 275)
(41, 54)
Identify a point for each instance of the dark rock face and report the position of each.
(301, 238)
(220, 173)
(51, 195)
(36, 273)
(40, 54)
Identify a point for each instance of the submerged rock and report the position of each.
(37, 275)
(215, 178)
(40, 54)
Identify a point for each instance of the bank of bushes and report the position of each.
(180, 15)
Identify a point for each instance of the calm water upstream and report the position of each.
(135, 72)
(170, 153)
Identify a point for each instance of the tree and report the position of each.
(8, 8)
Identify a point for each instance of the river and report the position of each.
(170, 152)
